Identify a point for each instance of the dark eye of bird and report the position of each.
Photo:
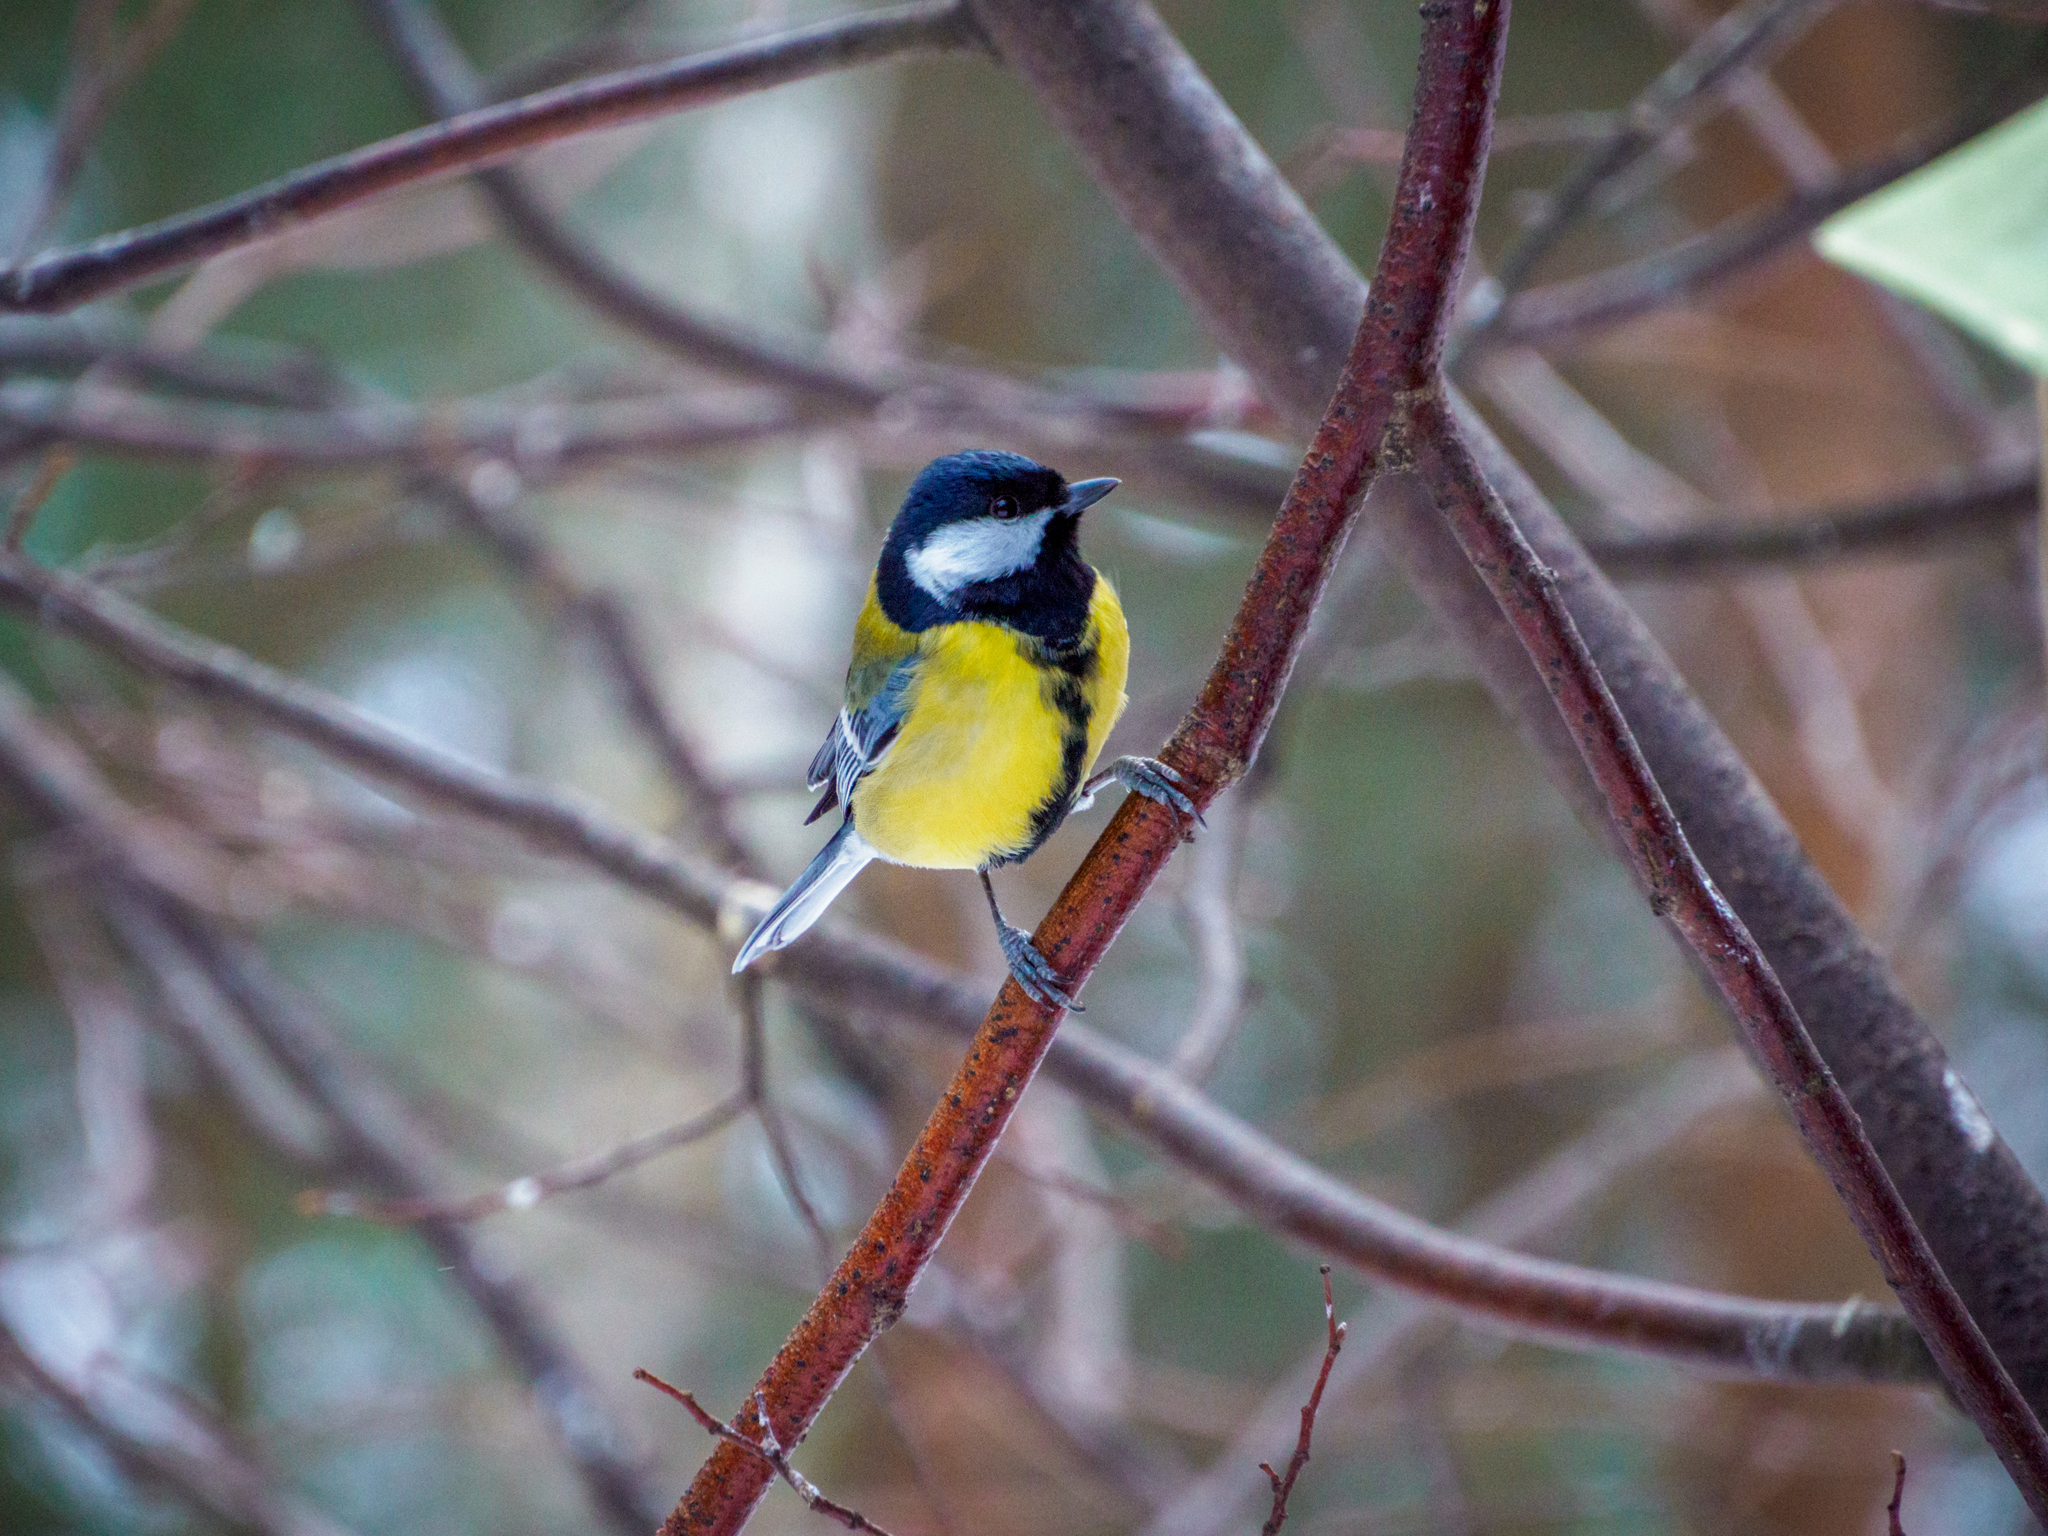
(1005, 507)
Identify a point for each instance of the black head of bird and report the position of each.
(990, 536)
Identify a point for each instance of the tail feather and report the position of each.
(805, 901)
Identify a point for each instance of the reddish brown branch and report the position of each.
(1395, 353)
(66, 278)
(1284, 1486)
(1893, 1524)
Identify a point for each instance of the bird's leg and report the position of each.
(1031, 970)
(1145, 776)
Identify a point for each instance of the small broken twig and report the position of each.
(1283, 1486)
(770, 1450)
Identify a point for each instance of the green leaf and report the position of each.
(1966, 235)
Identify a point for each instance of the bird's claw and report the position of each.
(1151, 778)
(1032, 971)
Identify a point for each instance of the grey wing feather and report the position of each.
(821, 765)
(861, 738)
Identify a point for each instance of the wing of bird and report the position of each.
(861, 737)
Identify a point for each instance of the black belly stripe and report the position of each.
(1064, 673)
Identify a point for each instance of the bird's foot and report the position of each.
(1032, 971)
(1145, 776)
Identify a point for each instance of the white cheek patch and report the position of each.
(980, 549)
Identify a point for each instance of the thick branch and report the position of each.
(1682, 892)
(1189, 180)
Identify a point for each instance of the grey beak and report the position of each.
(1083, 494)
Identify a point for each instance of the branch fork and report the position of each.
(1389, 403)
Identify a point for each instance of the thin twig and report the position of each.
(369, 1130)
(63, 279)
(537, 437)
(1738, 41)
(530, 1189)
(113, 1109)
(1893, 1525)
(2041, 503)
(1284, 1486)
(1980, 504)
(2033, 12)
(603, 616)
(94, 88)
(754, 1089)
(1521, 1053)
(193, 1455)
(1321, 160)
(1568, 311)
(768, 1450)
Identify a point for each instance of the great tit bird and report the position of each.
(988, 667)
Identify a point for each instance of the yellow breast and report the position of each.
(998, 734)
